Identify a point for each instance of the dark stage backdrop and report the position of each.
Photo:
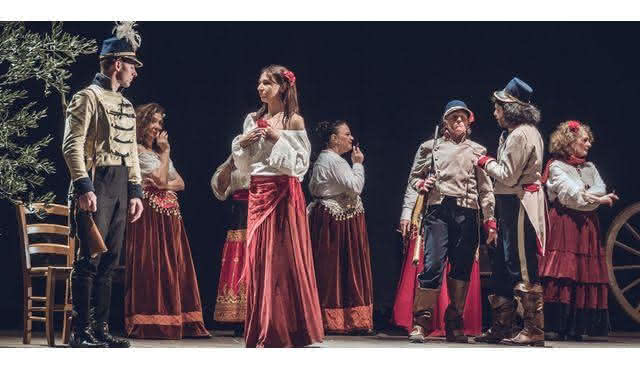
(389, 80)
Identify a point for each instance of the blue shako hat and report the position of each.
(124, 44)
(455, 105)
(516, 91)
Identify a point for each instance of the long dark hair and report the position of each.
(288, 91)
(144, 113)
(516, 114)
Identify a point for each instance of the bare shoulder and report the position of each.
(142, 149)
(296, 122)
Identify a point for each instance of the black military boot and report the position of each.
(102, 300)
(101, 330)
(82, 338)
(81, 334)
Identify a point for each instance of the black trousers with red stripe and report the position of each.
(514, 257)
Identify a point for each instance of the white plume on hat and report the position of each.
(125, 31)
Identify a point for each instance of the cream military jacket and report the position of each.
(104, 119)
(519, 160)
(519, 163)
(455, 173)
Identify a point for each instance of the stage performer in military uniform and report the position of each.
(456, 190)
(100, 150)
(521, 214)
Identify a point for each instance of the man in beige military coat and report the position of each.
(457, 191)
(100, 150)
(521, 213)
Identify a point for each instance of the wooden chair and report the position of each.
(52, 274)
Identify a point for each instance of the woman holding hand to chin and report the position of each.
(162, 299)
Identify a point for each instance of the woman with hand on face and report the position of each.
(573, 270)
(282, 298)
(339, 233)
(162, 299)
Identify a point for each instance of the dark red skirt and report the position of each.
(343, 270)
(403, 305)
(574, 274)
(231, 301)
(282, 297)
(162, 299)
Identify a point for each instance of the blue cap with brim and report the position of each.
(516, 91)
(117, 48)
(455, 105)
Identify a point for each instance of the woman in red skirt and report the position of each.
(231, 301)
(162, 299)
(573, 269)
(282, 298)
(339, 233)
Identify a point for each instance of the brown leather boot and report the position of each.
(453, 323)
(417, 334)
(423, 303)
(533, 332)
(503, 310)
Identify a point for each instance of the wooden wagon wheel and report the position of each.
(623, 238)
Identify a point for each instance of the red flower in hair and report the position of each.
(290, 76)
(573, 125)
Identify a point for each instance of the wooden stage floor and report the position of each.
(225, 339)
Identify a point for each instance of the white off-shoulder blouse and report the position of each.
(288, 156)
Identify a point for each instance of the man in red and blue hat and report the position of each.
(100, 150)
(456, 191)
(521, 214)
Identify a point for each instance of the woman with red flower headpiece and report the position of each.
(162, 299)
(573, 271)
(283, 309)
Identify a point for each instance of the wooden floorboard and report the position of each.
(225, 339)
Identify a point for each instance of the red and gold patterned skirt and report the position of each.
(231, 303)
